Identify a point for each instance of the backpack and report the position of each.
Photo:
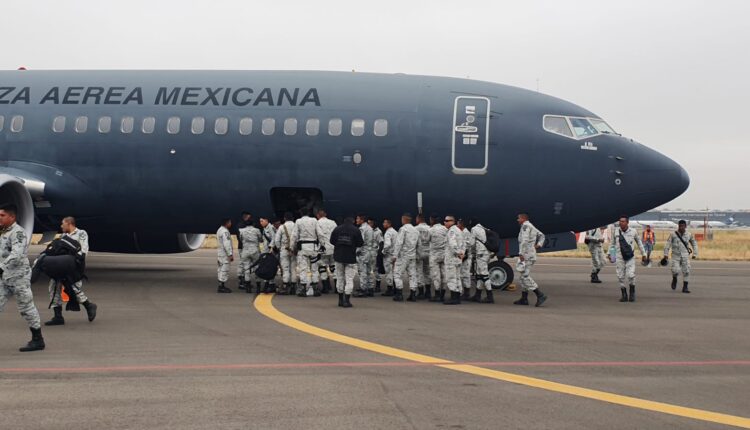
(493, 241)
(266, 266)
(63, 246)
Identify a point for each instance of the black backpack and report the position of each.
(267, 266)
(63, 246)
(493, 241)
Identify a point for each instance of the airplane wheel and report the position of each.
(501, 275)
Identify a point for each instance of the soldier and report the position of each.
(389, 243)
(284, 247)
(377, 252)
(455, 253)
(438, 236)
(365, 259)
(529, 240)
(326, 263)
(15, 275)
(468, 259)
(245, 220)
(623, 241)
(251, 238)
(594, 240)
(681, 252)
(346, 239)
(305, 237)
(266, 246)
(423, 258)
(482, 258)
(405, 259)
(69, 229)
(225, 254)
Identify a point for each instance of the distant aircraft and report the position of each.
(655, 224)
(150, 161)
(710, 224)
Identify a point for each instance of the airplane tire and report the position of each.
(501, 275)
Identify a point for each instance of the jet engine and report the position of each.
(145, 242)
(13, 191)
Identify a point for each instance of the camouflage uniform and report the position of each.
(365, 259)
(626, 269)
(377, 240)
(16, 276)
(482, 257)
(224, 251)
(251, 239)
(55, 291)
(389, 242)
(438, 236)
(595, 248)
(454, 245)
(405, 251)
(326, 264)
(423, 255)
(283, 242)
(680, 254)
(528, 239)
(466, 264)
(306, 235)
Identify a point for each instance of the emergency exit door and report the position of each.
(471, 135)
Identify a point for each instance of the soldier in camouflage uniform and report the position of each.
(70, 230)
(251, 238)
(16, 275)
(455, 253)
(266, 246)
(365, 259)
(679, 242)
(225, 254)
(626, 237)
(326, 265)
(529, 240)
(594, 240)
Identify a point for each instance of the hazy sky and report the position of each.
(675, 75)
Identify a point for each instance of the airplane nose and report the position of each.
(660, 178)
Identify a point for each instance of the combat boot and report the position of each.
(436, 297)
(420, 293)
(36, 343)
(341, 299)
(524, 300)
(301, 291)
(90, 309)
(388, 291)
(315, 291)
(347, 303)
(427, 293)
(466, 294)
(632, 293)
(595, 278)
(360, 293)
(370, 292)
(674, 282)
(241, 280)
(442, 295)
(326, 286)
(58, 318)
(284, 289)
(477, 297)
(398, 296)
(454, 300)
(257, 288)
(412, 296)
(624, 293)
(540, 297)
(685, 288)
(489, 298)
(222, 288)
(377, 286)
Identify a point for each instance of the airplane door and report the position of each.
(471, 134)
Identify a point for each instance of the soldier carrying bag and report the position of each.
(625, 249)
(679, 236)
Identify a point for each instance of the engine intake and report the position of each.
(13, 191)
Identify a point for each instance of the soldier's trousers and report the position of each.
(625, 271)
(437, 271)
(423, 270)
(681, 264)
(325, 265)
(307, 267)
(223, 269)
(241, 267)
(288, 270)
(364, 267)
(453, 276)
(597, 259)
(466, 273)
(247, 260)
(388, 265)
(527, 284)
(21, 290)
(345, 274)
(409, 266)
(483, 272)
(55, 293)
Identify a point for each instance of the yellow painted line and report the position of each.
(265, 306)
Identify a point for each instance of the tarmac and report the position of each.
(167, 352)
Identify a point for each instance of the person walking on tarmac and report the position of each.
(594, 240)
(365, 259)
(482, 258)
(624, 241)
(225, 254)
(389, 244)
(679, 243)
(245, 220)
(455, 253)
(346, 238)
(649, 240)
(251, 238)
(307, 241)
(529, 240)
(326, 263)
(284, 247)
(266, 246)
(405, 256)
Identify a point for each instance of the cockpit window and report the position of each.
(582, 127)
(557, 125)
(601, 126)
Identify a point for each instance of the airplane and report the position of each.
(709, 224)
(655, 224)
(151, 161)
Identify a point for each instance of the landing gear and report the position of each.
(501, 274)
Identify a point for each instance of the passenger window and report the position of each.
(82, 124)
(58, 124)
(127, 124)
(334, 127)
(582, 127)
(557, 125)
(358, 127)
(16, 124)
(312, 128)
(198, 125)
(105, 124)
(2, 122)
(173, 125)
(149, 124)
(268, 127)
(381, 127)
(601, 126)
(221, 126)
(246, 126)
(290, 126)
